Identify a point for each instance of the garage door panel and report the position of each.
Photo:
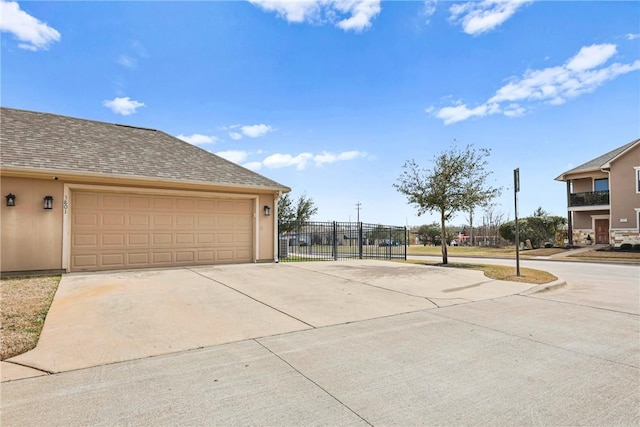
(90, 220)
(113, 202)
(162, 203)
(112, 260)
(112, 239)
(163, 220)
(85, 240)
(86, 201)
(112, 219)
(161, 257)
(185, 256)
(139, 202)
(162, 239)
(184, 239)
(185, 221)
(135, 259)
(244, 255)
(110, 231)
(138, 239)
(206, 256)
(85, 261)
(138, 220)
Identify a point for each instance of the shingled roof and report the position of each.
(31, 141)
(599, 162)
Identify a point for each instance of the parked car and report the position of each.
(389, 243)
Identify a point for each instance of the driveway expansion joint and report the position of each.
(28, 366)
(312, 382)
(252, 298)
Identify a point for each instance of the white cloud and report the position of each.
(124, 106)
(31, 32)
(580, 74)
(254, 166)
(197, 139)
(325, 157)
(235, 156)
(428, 9)
(127, 61)
(276, 161)
(631, 36)
(255, 131)
(461, 112)
(251, 131)
(591, 56)
(348, 15)
(477, 17)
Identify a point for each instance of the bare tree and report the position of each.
(456, 180)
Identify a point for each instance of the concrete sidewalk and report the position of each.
(104, 318)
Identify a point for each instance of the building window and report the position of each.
(601, 184)
(637, 168)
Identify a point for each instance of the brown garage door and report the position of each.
(115, 231)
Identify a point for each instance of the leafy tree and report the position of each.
(540, 228)
(429, 233)
(294, 214)
(457, 180)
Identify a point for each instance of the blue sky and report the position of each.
(331, 97)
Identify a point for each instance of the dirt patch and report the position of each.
(608, 256)
(543, 252)
(500, 272)
(24, 303)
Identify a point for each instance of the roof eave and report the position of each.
(563, 176)
(629, 148)
(39, 172)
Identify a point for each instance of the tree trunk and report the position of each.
(443, 239)
(471, 225)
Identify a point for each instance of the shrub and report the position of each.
(548, 245)
(636, 247)
(626, 246)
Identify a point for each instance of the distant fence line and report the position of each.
(333, 240)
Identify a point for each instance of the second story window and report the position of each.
(601, 184)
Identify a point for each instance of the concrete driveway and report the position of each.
(103, 318)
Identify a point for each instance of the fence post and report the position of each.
(406, 240)
(360, 240)
(335, 241)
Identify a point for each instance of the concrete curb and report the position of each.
(556, 284)
(536, 258)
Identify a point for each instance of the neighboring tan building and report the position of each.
(603, 198)
(82, 195)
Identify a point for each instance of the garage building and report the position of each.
(82, 195)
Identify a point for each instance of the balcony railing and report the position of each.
(589, 198)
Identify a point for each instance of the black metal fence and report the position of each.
(324, 241)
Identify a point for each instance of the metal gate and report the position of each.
(329, 241)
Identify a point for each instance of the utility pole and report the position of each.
(358, 207)
(516, 189)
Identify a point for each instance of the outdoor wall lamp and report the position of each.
(267, 210)
(11, 199)
(48, 202)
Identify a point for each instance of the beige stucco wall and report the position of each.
(266, 228)
(582, 220)
(624, 197)
(31, 235)
(583, 185)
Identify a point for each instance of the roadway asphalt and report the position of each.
(566, 356)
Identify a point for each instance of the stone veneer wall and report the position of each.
(619, 237)
(580, 237)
